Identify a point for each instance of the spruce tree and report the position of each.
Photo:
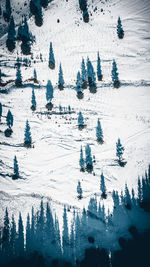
(27, 135)
(99, 71)
(88, 159)
(39, 16)
(127, 198)
(91, 76)
(120, 31)
(0, 10)
(81, 161)
(79, 190)
(0, 111)
(65, 234)
(20, 239)
(80, 121)
(13, 237)
(102, 186)
(35, 76)
(33, 6)
(18, 81)
(7, 12)
(6, 236)
(119, 152)
(83, 74)
(51, 57)
(99, 133)
(79, 86)
(69, 109)
(25, 36)
(0, 77)
(28, 236)
(60, 78)
(9, 119)
(44, 3)
(86, 16)
(49, 95)
(115, 76)
(16, 169)
(33, 101)
(11, 37)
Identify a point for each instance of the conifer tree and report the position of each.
(33, 101)
(6, 235)
(83, 74)
(27, 135)
(99, 132)
(81, 161)
(120, 30)
(49, 95)
(20, 239)
(80, 121)
(28, 236)
(60, 109)
(35, 76)
(0, 111)
(127, 198)
(88, 160)
(65, 234)
(91, 76)
(11, 37)
(115, 76)
(0, 10)
(102, 186)
(69, 108)
(18, 81)
(79, 86)
(39, 16)
(99, 71)
(9, 119)
(86, 16)
(13, 237)
(51, 57)
(0, 77)
(119, 152)
(33, 6)
(16, 169)
(44, 3)
(60, 78)
(79, 190)
(7, 12)
(139, 191)
(25, 36)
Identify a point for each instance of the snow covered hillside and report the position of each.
(51, 169)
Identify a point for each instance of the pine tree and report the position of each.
(102, 186)
(18, 81)
(1, 109)
(7, 12)
(120, 30)
(99, 71)
(60, 109)
(51, 57)
(16, 169)
(65, 234)
(86, 16)
(27, 135)
(20, 239)
(115, 76)
(33, 6)
(6, 236)
(35, 76)
(60, 78)
(83, 74)
(79, 190)
(39, 16)
(13, 237)
(69, 108)
(88, 160)
(127, 198)
(99, 132)
(49, 230)
(9, 119)
(44, 3)
(81, 161)
(79, 86)
(80, 121)
(25, 36)
(119, 152)
(33, 101)
(49, 95)
(11, 37)
(0, 77)
(91, 76)
(0, 10)
(28, 236)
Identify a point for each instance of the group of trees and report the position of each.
(36, 10)
(41, 232)
(87, 163)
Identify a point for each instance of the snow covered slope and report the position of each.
(51, 169)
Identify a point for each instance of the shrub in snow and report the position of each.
(27, 135)
(83, 74)
(79, 89)
(49, 95)
(11, 37)
(120, 31)
(79, 190)
(60, 78)
(80, 121)
(99, 133)
(51, 57)
(81, 161)
(16, 169)
(119, 153)
(99, 71)
(18, 81)
(88, 159)
(102, 186)
(115, 76)
(7, 12)
(33, 101)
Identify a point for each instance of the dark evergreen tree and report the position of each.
(83, 4)
(13, 237)
(20, 239)
(0, 77)
(127, 198)
(83, 74)
(0, 10)
(91, 76)
(39, 16)
(99, 132)
(120, 30)
(49, 231)
(69, 109)
(79, 190)
(0, 111)
(119, 152)
(16, 169)
(86, 16)
(25, 36)
(60, 78)
(27, 135)
(33, 101)
(99, 71)
(18, 81)
(11, 37)
(7, 12)
(81, 161)
(6, 236)
(44, 3)
(80, 121)
(34, 6)
(115, 76)
(49, 95)
(40, 228)
(102, 186)
(88, 160)
(51, 57)
(79, 89)
(35, 76)
(9, 119)
(65, 234)
(28, 236)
